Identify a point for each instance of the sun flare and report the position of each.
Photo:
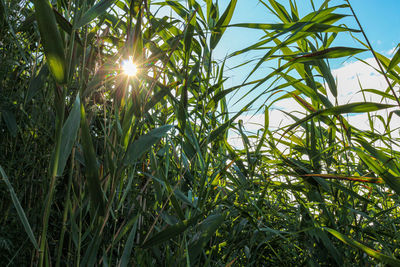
(129, 67)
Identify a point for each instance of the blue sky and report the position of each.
(380, 20)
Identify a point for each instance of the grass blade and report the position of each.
(333, 52)
(390, 179)
(359, 107)
(395, 60)
(221, 23)
(10, 121)
(20, 211)
(208, 228)
(51, 40)
(170, 232)
(371, 252)
(94, 12)
(129, 245)
(92, 173)
(69, 132)
(145, 142)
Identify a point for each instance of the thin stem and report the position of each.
(373, 52)
(66, 209)
(60, 107)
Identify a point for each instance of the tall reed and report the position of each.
(105, 168)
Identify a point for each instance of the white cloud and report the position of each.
(391, 51)
(350, 78)
(353, 77)
(277, 118)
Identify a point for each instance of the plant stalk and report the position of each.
(374, 54)
(60, 109)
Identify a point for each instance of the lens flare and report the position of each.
(129, 67)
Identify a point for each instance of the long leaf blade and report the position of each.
(92, 173)
(94, 12)
(358, 107)
(69, 133)
(145, 142)
(51, 40)
(355, 244)
(20, 211)
(223, 21)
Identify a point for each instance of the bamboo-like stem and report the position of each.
(60, 109)
(66, 208)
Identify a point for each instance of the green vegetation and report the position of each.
(99, 168)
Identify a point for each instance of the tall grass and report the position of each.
(105, 169)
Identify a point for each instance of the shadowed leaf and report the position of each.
(69, 132)
(19, 209)
(51, 40)
(355, 244)
(98, 9)
(144, 143)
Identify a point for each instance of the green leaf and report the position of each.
(170, 232)
(51, 40)
(280, 11)
(395, 60)
(348, 191)
(380, 93)
(20, 211)
(69, 132)
(66, 26)
(97, 10)
(37, 83)
(355, 244)
(321, 235)
(333, 52)
(207, 229)
(379, 155)
(188, 35)
(390, 179)
(126, 254)
(10, 121)
(315, 27)
(178, 8)
(358, 107)
(91, 168)
(92, 249)
(221, 23)
(144, 143)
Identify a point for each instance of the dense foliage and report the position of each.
(103, 169)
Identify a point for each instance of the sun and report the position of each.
(129, 67)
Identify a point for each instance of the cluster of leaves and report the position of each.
(100, 168)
